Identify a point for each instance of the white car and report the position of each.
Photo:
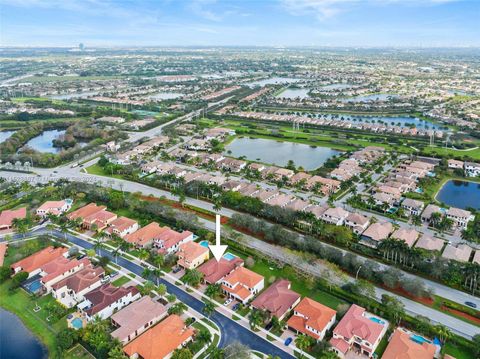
(228, 301)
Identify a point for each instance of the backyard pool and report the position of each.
(419, 339)
(229, 256)
(77, 323)
(33, 285)
(377, 320)
(204, 244)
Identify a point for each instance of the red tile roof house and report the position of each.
(143, 237)
(357, 222)
(213, 271)
(136, 318)
(71, 290)
(54, 207)
(7, 217)
(121, 227)
(402, 346)
(93, 214)
(34, 262)
(169, 240)
(312, 318)
(376, 233)
(242, 284)
(278, 299)
(60, 268)
(192, 254)
(105, 300)
(359, 330)
(152, 343)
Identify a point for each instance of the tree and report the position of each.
(476, 345)
(18, 279)
(183, 353)
(192, 277)
(5, 273)
(237, 350)
(162, 289)
(303, 342)
(256, 318)
(143, 254)
(66, 338)
(204, 336)
(116, 353)
(443, 332)
(213, 290)
(216, 353)
(177, 308)
(208, 309)
(393, 307)
(147, 287)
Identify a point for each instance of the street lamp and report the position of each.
(358, 271)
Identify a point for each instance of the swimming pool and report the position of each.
(229, 256)
(419, 339)
(204, 244)
(34, 286)
(376, 320)
(77, 323)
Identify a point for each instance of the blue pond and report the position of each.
(44, 142)
(461, 194)
(16, 341)
(4, 135)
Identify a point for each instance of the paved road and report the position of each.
(231, 330)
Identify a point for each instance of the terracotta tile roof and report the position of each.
(7, 216)
(86, 211)
(430, 243)
(357, 219)
(190, 251)
(145, 235)
(460, 253)
(81, 280)
(408, 235)
(105, 295)
(214, 271)
(170, 237)
(51, 206)
(313, 314)
(134, 316)
(277, 298)
(61, 265)
(355, 324)
(340, 344)
(36, 260)
(378, 231)
(458, 212)
(120, 224)
(3, 250)
(241, 279)
(402, 347)
(153, 344)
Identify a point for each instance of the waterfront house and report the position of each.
(60, 268)
(312, 318)
(429, 210)
(460, 217)
(34, 262)
(278, 299)
(472, 169)
(136, 318)
(454, 164)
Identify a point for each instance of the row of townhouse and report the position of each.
(372, 127)
(471, 169)
(351, 166)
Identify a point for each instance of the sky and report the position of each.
(318, 23)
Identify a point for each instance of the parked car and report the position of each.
(269, 326)
(113, 274)
(235, 307)
(106, 279)
(471, 304)
(228, 301)
(288, 341)
(176, 269)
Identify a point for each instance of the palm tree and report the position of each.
(303, 342)
(255, 319)
(213, 290)
(162, 289)
(143, 254)
(98, 246)
(443, 332)
(204, 336)
(177, 308)
(217, 205)
(157, 273)
(192, 277)
(208, 309)
(147, 273)
(158, 260)
(216, 353)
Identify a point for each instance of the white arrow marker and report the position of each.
(217, 249)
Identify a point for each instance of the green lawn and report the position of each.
(99, 171)
(382, 345)
(456, 352)
(121, 281)
(78, 352)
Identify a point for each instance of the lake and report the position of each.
(69, 96)
(273, 81)
(16, 341)
(4, 135)
(278, 153)
(461, 194)
(339, 86)
(44, 142)
(293, 93)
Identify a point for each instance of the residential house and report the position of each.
(7, 216)
(99, 220)
(278, 299)
(191, 255)
(357, 222)
(312, 318)
(382, 198)
(281, 200)
(282, 173)
(454, 164)
(429, 210)
(54, 207)
(72, 289)
(430, 243)
(33, 263)
(376, 233)
(106, 299)
(298, 205)
(299, 178)
(161, 340)
(461, 253)
(214, 271)
(136, 318)
(60, 268)
(472, 169)
(169, 240)
(145, 236)
(232, 165)
(403, 345)
(360, 330)
(121, 227)
(407, 235)
(242, 284)
(336, 216)
(87, 211)
(412, 207)
(460, 217)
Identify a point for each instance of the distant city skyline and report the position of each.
(317, 23)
